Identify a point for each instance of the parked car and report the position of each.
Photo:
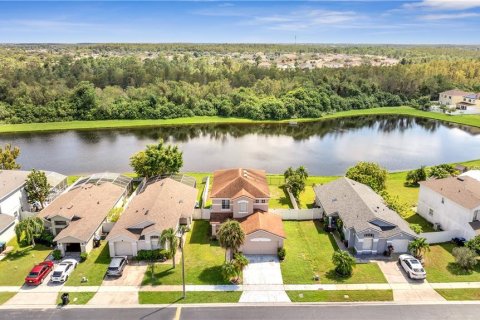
(63, 270)
(39, 273)
(412, 267)
(117, 264)
(459, 241)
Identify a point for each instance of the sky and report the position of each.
(355, 21)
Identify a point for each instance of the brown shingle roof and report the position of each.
(464, 190)
(90, 203)
(233, 183)
(157, 207)
(455, 92)
(220, 217)
(12, 180)
(263, 221)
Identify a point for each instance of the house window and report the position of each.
(264, 201)
(476, 215)
(430, 212)
(242, 206)
(443, 200)
(154, 237)
(257, 201)
(60, 223)
(368, 235)
(225, 204)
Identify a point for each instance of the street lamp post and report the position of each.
(181, 232)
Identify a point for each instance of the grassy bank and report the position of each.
(471, 120)
(340, 295)
(158, 297)
(460, 294)
(77, 297)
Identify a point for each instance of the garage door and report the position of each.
(123, 248)
(399, 245)
(260, 246)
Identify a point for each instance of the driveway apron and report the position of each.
(262, 280)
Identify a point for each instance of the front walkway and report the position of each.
(406, 289)
(262, 280)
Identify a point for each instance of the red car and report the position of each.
(38, 273)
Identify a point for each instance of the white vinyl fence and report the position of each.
(441, 236)
(298, 214)
(201, 214)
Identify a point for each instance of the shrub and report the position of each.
(45, 238)
(474, 244)
(57, 254)
(281, 253)
(114, 214)
(343, 262)
(83, 256)
(465, 257)
(153, 255)
(240, 261)
(230, 271)
(415, 176)
(416, 228)
(368, 173)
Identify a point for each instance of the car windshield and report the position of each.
(112, 268)
(418, 270)
(33, 274)
(57, 274)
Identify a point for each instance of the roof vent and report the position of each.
(146, 212)
(461, 178)
(70, 206)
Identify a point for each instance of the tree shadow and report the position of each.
(200, 232)
(334, 276)
(212, 275)
(158, 277)
(455, 269)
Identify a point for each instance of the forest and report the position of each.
(44, 83)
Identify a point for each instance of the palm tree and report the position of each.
(30, 227)
(418, 247)
(169, 236)
(231, 237)
(343, 262)
(302, 171)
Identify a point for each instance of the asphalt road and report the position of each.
(304, 312)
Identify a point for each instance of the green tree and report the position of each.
(30, 228)
(368, 173)
(465, 257)
(418, 247)
(295, 180)
(442, 171)
(83, 99)
(474, 244)
(169, 237)
(157, 159)
(8, 157)
(343, 262)
(415, 176)
(37, 187)
(240, 261)
(230, 271)
(231, 237)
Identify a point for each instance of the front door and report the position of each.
(367, 244)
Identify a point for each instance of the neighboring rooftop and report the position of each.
(12, 180)
(475, 174)
(463, 190)
(360, 207)
(234, 183)
(265, 221)
(456, 92)
(158, 206)
(86, 204)
(5, 221)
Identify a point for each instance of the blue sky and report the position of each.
(420, 21)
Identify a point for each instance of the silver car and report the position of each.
(412, 267)
(117, 264)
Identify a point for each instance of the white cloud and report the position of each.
(449, 16)
(445, 4)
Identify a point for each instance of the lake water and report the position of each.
(326, 148)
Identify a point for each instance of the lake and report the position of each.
(325, 147)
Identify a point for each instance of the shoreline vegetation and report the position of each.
(469, 120)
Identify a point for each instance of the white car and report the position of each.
(63, 270)
(412, 267)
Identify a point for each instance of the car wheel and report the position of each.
(410, 275)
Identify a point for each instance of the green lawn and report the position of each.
(441, 267)
(460, 294)
(77, 297)
(93, 268)
(340, 295)
(472, 120)
(156, 297)
(17, 264)
(5, 296)
(309, 252)
(199, 177)
(307, 198)
(203, 261)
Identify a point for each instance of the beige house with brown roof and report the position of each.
(453, 203)
(160, 204)
(462, 100)
(77, 216)
(243, 195)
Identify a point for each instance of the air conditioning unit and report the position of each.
(437, 227)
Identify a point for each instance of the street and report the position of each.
(337, 312)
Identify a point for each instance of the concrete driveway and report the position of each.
(132, 276)
(33, 298)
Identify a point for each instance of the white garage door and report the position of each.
(123, 248)
(261, 246)
(399, 245)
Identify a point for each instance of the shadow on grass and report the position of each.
(455, 269)
(200, 232)
(212, 275)
(21, 252)
(334, 276)
(104, 256)
(157, 278)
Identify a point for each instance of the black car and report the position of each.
(459, 241)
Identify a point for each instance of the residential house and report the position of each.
(369, 226)
(77, 216)
(14, 201)
(460, 99)
(243, 195)
(159, 205)
(452, 203)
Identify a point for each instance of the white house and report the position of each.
(453, 203)
(13, 197)
(159, 205)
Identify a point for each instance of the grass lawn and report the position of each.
(203, 261)
(5, 296)
(309, 252)
(17, 264)
(93, 268)
(340, 295)
(307, 198)
(156, 297)
(77, 297)
(460, 294)
(441, 267)
(199, 176)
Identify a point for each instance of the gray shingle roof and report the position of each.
(12, 180)
(360, 207)
(5, 221)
